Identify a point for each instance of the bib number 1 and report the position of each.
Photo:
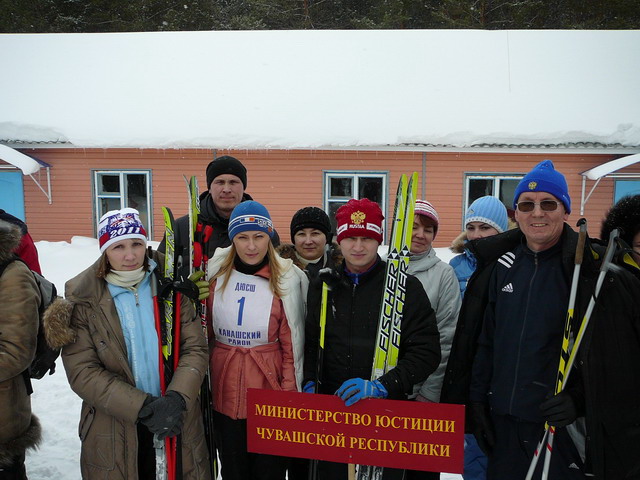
(240, 310)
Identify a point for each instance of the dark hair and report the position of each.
(625, 216)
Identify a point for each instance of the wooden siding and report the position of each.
(285, 180)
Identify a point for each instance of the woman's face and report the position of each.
(251, 246)
(480, 230)
(421, 236)
(127, 254)
(309, 243)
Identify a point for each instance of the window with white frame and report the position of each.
(116, 189)
(340, 186)
(502, 186)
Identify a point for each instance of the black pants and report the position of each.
(146, 454)
(340, 471)
(14, 471)
(516, 441)
(238, 464)
(421, 475)
(298, 469)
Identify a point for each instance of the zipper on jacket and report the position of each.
(353, 301)
(524, 323)
(135, 294)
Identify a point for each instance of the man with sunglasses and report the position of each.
(505, 355)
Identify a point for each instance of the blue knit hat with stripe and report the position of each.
(488, 210)
(545, 178)
(250, 216)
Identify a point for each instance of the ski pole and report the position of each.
(562, 368)
(564, 354)
(313, 467)
(604, 267)
(163, 448)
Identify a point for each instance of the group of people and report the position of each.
(484, 331)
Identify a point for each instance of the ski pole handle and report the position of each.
(582, 238)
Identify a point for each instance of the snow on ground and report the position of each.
(53, 401)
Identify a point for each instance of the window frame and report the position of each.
(355, 175)
(485, 176)
(121, 173)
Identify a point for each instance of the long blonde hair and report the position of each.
(274, 267)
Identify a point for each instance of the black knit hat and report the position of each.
(624, 215)
(311, 217)
(229, 165)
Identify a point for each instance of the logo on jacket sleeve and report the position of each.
(507, 259)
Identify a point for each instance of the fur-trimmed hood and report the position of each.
(10, 236)
(288, 251)
(457, 246)
(15, 447)
(57, 323)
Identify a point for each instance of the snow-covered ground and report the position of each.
(53, 401)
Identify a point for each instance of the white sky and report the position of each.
(53, 401)
(309, 89)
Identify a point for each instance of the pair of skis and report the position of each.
(168, 458)
(570, 349)
(393, 296)
(199, 236)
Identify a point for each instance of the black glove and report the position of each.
(164, 416)
(482, 428)
(559, 410)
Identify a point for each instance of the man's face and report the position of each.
(542, 228)
(359, 253)
(226, 192)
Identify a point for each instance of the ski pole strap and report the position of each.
(206, 236)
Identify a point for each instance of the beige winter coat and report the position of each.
(19, 300)
(98, 371)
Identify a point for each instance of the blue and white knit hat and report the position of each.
(250, 216)
(488, 210)
(544, 178)
(117, 225)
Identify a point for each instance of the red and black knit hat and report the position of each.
(359, 218)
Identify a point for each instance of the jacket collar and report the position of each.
(489, 249)
(208, 212)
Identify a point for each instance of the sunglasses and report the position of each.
(545, 205)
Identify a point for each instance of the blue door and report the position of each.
(626, 187)
(12, 193)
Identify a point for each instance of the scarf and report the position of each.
(126, 278)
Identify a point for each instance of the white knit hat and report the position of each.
(119, 225)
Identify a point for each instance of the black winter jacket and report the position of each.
(351, 328)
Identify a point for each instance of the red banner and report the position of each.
(385, 433)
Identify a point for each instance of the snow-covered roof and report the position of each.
(318, 89)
